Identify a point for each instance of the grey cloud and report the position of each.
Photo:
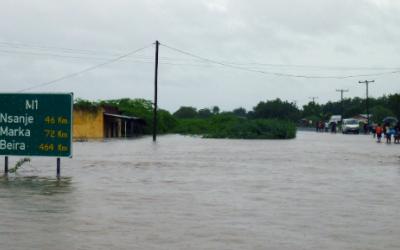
(330, 32)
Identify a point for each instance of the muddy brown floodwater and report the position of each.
(319, 191)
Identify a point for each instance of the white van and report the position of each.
(350, 126)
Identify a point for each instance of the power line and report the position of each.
(43, 50)
(337, 68)
(276, 73)
(85, 70)
(144, 60)
(20, 48)
(44, 47)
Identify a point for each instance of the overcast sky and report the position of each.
(42, 40)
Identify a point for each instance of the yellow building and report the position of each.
(104, 122)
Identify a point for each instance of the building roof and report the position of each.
(365, 116)
(124, 117)
(110, 109)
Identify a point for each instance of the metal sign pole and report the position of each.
(6, 165)
(58, 167)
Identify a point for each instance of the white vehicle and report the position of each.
(350, 126)
(335, 118)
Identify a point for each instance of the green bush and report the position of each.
(228, 126)
(81, 104)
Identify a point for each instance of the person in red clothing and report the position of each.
(379, 131)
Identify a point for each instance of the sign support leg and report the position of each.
(58, 167)
(6, 165)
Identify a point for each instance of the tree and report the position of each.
(87, 105)
(312, 109)
(133, 107)
(394, 104)
(185, 113)
(276, 109)
(241, 112)
(379, 113)
(165, 122)
(204, 113)
(215, 110)
(332, 108)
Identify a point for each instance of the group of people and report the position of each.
(388, 132)
(321, 126)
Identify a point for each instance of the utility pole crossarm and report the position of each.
(366, 81)
(341, 92)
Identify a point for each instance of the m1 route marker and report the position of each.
(36, 125)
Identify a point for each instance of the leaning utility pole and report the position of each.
(341, 100)
(366, 100)
(155, 93)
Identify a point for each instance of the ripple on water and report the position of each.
(314, 192)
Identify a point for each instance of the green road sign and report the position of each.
(36, 124)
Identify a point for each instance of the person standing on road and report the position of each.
(378, 131)
(365, 127)
(397, 133)
(388, 133)
(333, 128)
(373, 129)
(392, 132)
(321, 126)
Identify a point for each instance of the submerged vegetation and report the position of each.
(272, 119)
(264, 122)
(228, 126)
(268, 120)
(19, 164)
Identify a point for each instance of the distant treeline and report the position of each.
(278, 109)
(379, 108)
(268, 119)
(206, 122)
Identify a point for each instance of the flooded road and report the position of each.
(319, 191)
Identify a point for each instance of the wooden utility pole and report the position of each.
(341, 100)
(155, 93)
(313, 98)
(366, 82)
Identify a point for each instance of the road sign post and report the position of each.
(6, 165)
(36, 124)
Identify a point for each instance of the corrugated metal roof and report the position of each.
(123, 116)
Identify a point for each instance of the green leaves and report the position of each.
(230, 126)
